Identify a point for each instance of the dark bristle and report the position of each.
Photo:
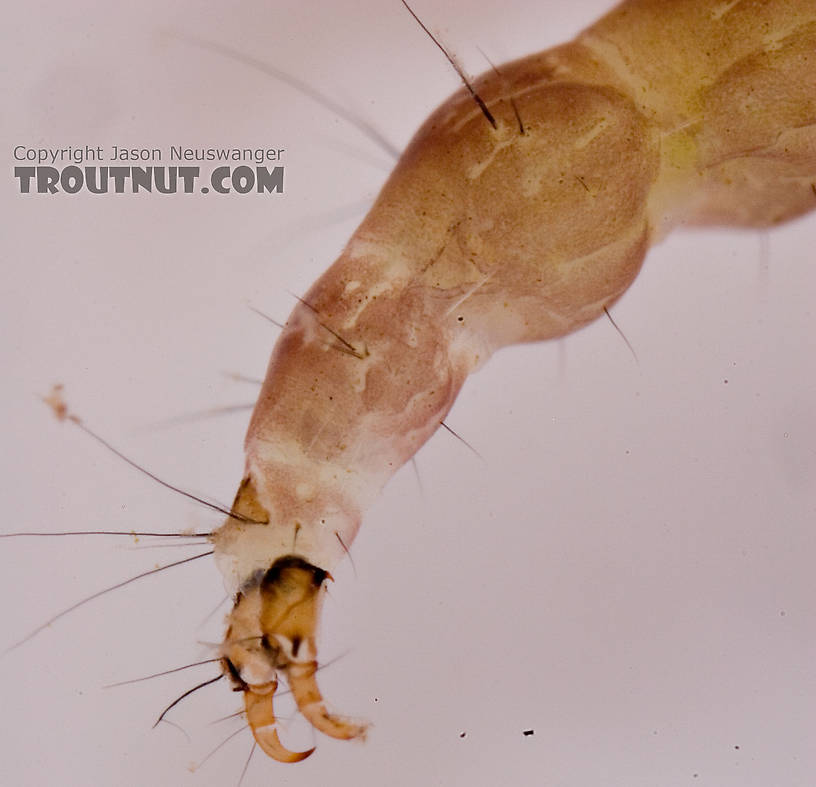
(161, 674)
(267, 318)
(476, 97)
(99, 593)
(622, 335)
(344, 346)
(512, 100)
(57, 403)
(460, 438)
(189, 495)
(347, 551)
(186, 694)
(132, 533)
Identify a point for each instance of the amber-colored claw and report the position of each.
(310, 703)
(261, 717)
(271, 631)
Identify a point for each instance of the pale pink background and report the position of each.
(627, 569)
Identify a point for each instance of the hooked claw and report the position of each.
(261, 717)
(272, 629)
(311, 704)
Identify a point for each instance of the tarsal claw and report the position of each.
(310, 703)
(271, 632)
(261, 717)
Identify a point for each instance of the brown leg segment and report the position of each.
(311, 704)
(261, 717)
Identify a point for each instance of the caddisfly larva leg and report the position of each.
(260, 715)
(272, 631)
(310, 702)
